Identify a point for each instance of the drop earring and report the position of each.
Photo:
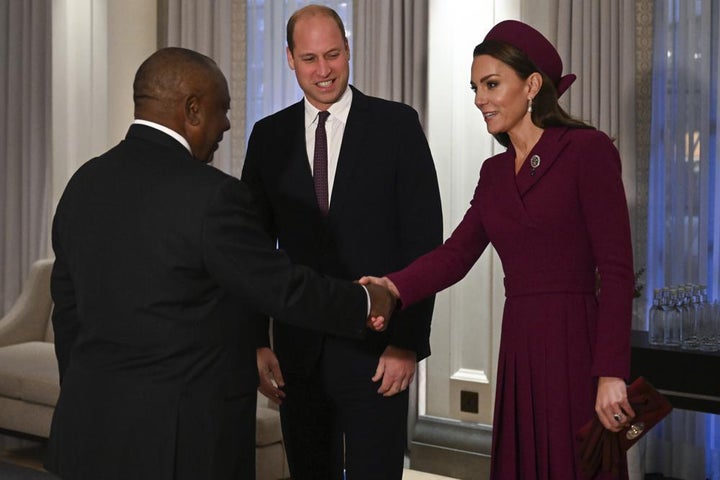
(529, 109)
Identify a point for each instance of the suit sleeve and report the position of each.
(447, 264)
(65, 319)
(251, 176)
(419, 216)
(242, 258)
(602, 199)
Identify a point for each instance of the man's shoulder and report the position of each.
(389, 107)
(282, 117)
(166, 161)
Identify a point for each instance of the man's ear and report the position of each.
(290, 60)
(193, 110)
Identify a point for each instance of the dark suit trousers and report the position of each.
(339, 400)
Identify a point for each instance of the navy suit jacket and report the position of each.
(160, 267)
(384, 211)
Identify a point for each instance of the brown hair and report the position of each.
(311, 11)
(546, 111)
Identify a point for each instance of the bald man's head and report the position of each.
(169, 75)
(185, 91)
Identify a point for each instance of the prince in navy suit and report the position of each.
(343, 402)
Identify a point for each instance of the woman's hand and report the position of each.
(383, 282)
(611, 404)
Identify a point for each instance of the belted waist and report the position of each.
(549, 282)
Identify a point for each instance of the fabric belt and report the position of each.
(549, 282)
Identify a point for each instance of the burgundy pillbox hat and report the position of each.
(538, 49)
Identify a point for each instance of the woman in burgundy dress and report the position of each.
(554, 208)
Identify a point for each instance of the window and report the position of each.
(684, 198)
(684, 202)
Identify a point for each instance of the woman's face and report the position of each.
(500, 94)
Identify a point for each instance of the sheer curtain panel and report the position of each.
(24, 141)
(684, 204)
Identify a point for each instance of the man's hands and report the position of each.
(382, 304)
(396, 366)
(397, 369)
(270, 375)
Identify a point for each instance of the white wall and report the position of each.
(466, 326)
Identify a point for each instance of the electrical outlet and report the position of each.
(469, 401)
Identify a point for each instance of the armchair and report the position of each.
(28, 370)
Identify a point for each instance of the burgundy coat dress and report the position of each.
(554, 227)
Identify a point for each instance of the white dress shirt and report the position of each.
(165, 129)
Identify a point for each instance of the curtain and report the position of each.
(596, 41)
(216, 29)
(390, 50)
(684, 167)
(684, 205)
(24, 142)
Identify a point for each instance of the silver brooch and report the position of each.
(534, 163)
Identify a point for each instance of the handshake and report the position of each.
(383, 301)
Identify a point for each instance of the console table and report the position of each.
(690, 379)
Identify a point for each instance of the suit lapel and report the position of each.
(351, 152)
(299, 173)
(547, 150)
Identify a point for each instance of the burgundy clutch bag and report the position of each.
(602, 450)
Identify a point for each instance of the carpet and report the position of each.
(8, 471)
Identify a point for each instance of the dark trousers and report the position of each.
(230, 455)
(335, 419)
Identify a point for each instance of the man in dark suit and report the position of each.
(160, 264)
(343, 402)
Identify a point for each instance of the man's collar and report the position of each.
(339, 109)
(166, 130)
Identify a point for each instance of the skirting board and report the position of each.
(452, 448)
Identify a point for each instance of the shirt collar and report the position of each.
(339, 110)
(166, 130)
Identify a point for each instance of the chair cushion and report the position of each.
(267, 427)
(49, 332)
(29, 372)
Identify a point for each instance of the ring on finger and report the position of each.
(618, 417)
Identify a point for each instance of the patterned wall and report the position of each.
(643, 114)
